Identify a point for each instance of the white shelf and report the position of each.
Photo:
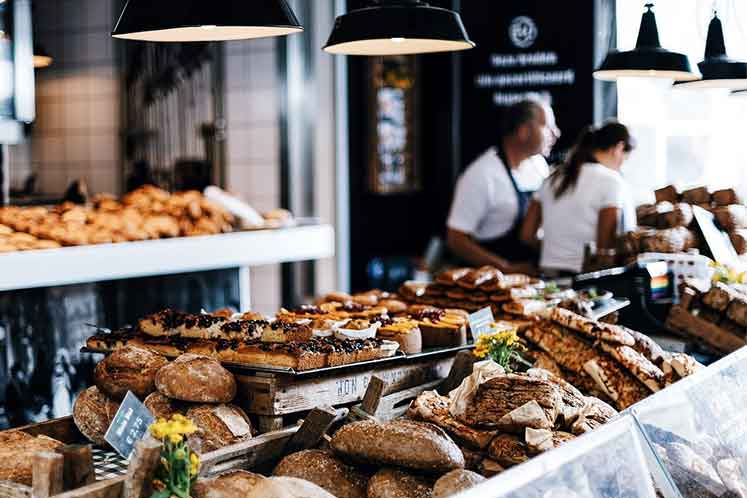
(76, 265)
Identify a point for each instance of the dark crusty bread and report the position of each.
(16, 451)
(326, 471)
(128, 369)
(668, 193)
(93, 413)
(163, 407)
(240, 483)
(405, 443)
(196, 378)
(218, 426)
(396, 483)
(455, 482)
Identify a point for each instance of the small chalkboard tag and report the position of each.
(129, 426)
(480, 322)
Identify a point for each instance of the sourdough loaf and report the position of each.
(200, 379)
(405, 443)
(240, 483)
(17, 449)
(128, 369)
(456, 482)
(326, 471)
(396, 483)
(218, 426)
(93, 413)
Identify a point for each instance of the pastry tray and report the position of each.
(400, 357)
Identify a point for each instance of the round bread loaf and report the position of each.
(162, 407)
(218, 426)
(128, 369)
(240, 483)
(200, 379)
(404, 443)
(326, 471)
(93, 413)
(17, 449)
(455, 482)
(396, 483)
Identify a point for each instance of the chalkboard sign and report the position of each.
(531, 48)
(129, 426)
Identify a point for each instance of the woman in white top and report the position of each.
(584, 200)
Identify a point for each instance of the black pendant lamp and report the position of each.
(648, 59)
(717, 69)
(398, 27)
(42, 58)
(205, 20)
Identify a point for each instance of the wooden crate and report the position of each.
(682, 321)
(272, 396)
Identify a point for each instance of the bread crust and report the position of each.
(326, 471)
(93, 413)
(16, 451)
(405, 443)
(128, 369)
(196, 378)
(396, 483)
(455, 482)
(218, 426)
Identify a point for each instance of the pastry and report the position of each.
(404, 332)
(624, 389)
(638, 365)
(481, 276)
(449, 278)
(668, 194)
(563, 346)
(440, 328)
(508, 450)
(593, 330)
(281, 331)
(128, 369)
(163, 323)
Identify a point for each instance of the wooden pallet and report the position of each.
(681, 321)
(270, 397)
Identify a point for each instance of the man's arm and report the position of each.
(464, 246)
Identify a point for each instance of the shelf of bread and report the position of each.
(113, 261)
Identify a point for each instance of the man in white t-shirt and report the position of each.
(492, 195)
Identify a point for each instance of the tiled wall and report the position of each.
(252, 147)
(76, 134)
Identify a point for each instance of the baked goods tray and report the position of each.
(399, 357)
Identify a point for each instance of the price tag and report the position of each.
(480, 322)
(129, 426)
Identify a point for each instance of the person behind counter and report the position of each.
(586, 199)
(493, 194)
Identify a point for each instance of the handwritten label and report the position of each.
(129, 426)
(480, 322)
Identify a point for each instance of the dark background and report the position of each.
(457, 121)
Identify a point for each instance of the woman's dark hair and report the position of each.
(590, 141)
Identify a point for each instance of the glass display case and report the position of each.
(697, 429)
(612, 462)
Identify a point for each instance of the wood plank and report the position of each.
(78, 465)
(372, 398)
(281, 396)
(247, 454)
(267, 424)
(314, 427)
(14, 490)
(461, 368)
(142, 469)
(47, 471)
(62, 429)
(680, 320)
(111, 488)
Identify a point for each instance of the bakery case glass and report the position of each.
(612, 462)
(697, 427)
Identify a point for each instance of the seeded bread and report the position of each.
(396, 483)
(16, 451)
(326, 471)
(456, 482)
(128, 369)
(218, 426)
(93, 413)
(195, 378)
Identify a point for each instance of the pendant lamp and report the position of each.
(398, 27)
(205, 20)
(648, 59)
(717, 69)
(42, 58)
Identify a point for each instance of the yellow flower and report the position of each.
(194, 465)
(175, 438)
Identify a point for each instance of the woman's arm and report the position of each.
(531, 225)
(607, 228)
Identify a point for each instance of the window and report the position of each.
(685, 137)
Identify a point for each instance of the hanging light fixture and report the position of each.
(398, 27)
(42, 58)
(718, 70)
(648, 59)
(205, 20)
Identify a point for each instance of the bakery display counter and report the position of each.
(612, 462)
(697, 429)
(83, 264)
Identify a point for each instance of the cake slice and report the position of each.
(404, 332)
(439, 327)
(163, 323)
